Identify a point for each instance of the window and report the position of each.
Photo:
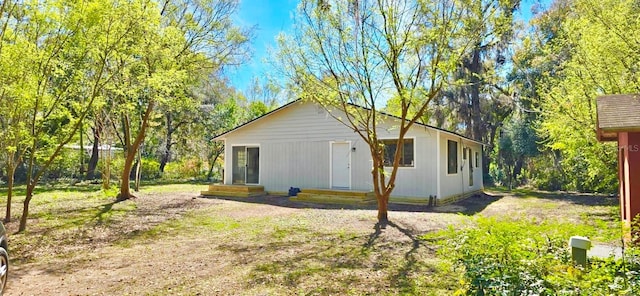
(464, 153)
(406, 157)
(452, 157)
(477, 156)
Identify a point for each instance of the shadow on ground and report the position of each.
(391, 258)
(469, 206)
(587, 199)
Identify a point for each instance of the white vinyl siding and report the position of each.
(458, 183)
(295, 152)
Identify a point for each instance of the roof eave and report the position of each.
(626, 129)
(604, 136)
(223, 135)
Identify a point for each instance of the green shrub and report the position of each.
(150, 169)
(185, 169)
(66, 165)
(511, 257)
(116, 167)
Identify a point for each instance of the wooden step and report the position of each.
(410, 201)
(304, 195)
(339, 192)
(232, 193)
(236, 188)
(332, 199)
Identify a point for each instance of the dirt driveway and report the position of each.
(176, 243)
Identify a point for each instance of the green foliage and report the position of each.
(546, 175)
(184, 169)
(517, 145)
(529, 257)
(257, 109)
(150, 168)
(65, 166)
(591, 51)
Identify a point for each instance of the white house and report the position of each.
(301, 145)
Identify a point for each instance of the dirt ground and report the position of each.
(257, 246)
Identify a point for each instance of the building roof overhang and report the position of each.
(616, 114)
(223, 135)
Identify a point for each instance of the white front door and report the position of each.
(341, 165)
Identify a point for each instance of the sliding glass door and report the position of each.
(246, 165)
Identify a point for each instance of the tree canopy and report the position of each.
(355, 56)
(63, 61)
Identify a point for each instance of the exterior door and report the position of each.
(340, 165)
(246, 165)
(239, 160)
(470, 168)
(253, 165)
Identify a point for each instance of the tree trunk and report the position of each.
(131, 150)
(138, 172)
(510, 172)
(475, 67)
(106, 173)
(212, 163)
(168, 143)
(11, 169)
(383, 205)
(518, 168)
(486, 154)
(125, 191)
(466, 112)
(25, 209)
(81, 152)
(379, 187)
(164, 159)
(210, 172)
(93, 161)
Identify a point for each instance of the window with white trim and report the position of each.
(477, 156)
(452, 157)
(406, 155)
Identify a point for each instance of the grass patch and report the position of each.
(236, 247)
(503, 256)
(170, 188)
(65, 218)
(191, 224)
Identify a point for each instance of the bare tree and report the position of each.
(353, 56)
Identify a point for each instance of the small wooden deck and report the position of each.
(335, 196)
(412, 201)
(234, 190)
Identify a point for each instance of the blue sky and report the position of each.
(270, 18)
(273, 16)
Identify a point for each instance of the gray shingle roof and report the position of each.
(618, 113)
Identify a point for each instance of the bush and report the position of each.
(185, 169)
(546, 175)
(66, 165)
(508, 257)
(150, 168)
